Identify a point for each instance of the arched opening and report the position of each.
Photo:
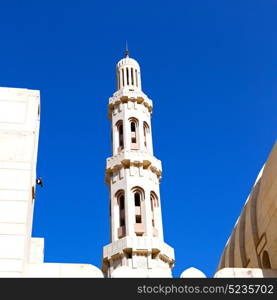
(120, 131)
(122, 73)
(133, 128)
(266, 260)
(121, 213)
(154, 208)
(146, 131)
(119, 126)
(127, 73)
(132, 76)
(136, 72)
(121, 204)
(134, 133)
(138, 195)
(138, 207)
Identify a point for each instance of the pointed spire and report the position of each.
(126, 51)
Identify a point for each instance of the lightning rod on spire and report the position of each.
(126, 51)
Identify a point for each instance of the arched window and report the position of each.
(121, 204)
(133, 127)
(122, 73)
(132, 76)
(127, 70)
(119, 126)
(146, 131)
(138, 195)
(134, 133)
(120, 131)
(154, 205)
(121, 213)
(154, 199)
(266, 260)
(138, 207)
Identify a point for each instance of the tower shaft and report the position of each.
(133, 174)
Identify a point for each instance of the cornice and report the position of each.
(126, 95)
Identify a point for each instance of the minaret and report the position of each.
(133, 174)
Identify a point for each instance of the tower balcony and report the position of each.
(128, 94)
(126, 158)
(138, 243)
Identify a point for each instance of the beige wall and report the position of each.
(253, 242)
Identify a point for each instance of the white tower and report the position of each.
(133, 174)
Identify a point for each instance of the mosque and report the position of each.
(133, 174)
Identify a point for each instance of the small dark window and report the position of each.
(133, 131)
(121, 210)
(120, 131)
(122, 222)
(127, 76)
(137, 199)
(136, 78)
(132, 76)
(138, 219)
(123, 82)
(121, 202)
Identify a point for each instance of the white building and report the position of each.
(133, 175)
(20, 254)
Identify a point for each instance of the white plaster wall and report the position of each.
(128, 272)
(19, 128)
(36, 250)
(58, 270)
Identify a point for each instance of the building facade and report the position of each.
(22, 255)
(252, 245)
(133, 175)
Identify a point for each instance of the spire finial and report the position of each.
(126, 51)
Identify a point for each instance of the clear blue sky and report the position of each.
(210, 68)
